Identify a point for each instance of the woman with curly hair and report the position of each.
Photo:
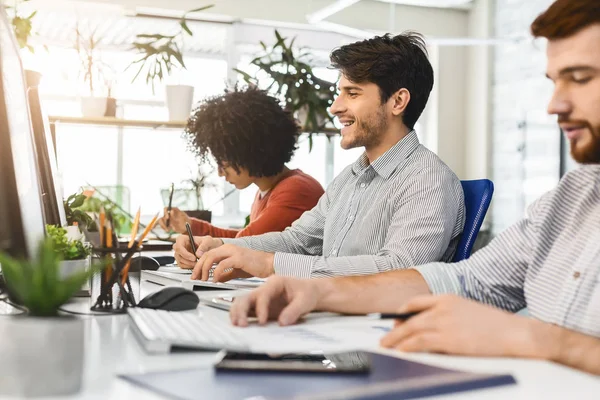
(251, 138)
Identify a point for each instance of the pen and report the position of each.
(400, 316)
(170, 204)
(188, 228)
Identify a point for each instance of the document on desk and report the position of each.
(390, 378)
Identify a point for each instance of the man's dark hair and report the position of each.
(392, 63)
(245, 128)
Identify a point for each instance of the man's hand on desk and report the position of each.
(454, 325)
(183, 250)
(177, 220)
(284, 299)
(234, 262)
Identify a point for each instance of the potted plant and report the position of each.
(22, 25)
(68, 244)
(159, 55)
(42, 352)
(189, 196)
(75, 215)
(294, 82)
(93, 70)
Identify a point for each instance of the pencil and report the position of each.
(109, 243)
(134, 229)
(101, 227)
(148, 229)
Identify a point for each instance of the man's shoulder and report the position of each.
(579, 183)
(584, 174)
(573, 190)
(424, 161)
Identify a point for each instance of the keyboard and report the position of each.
(160, 331)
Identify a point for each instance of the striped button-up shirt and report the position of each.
(405, 208)
(548, 262)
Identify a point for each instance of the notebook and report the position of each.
(390, 378)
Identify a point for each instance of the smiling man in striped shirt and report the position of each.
(548, 262)
(398, 205)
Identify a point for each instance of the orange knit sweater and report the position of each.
(295, 193)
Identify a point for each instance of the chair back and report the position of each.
(478, 195)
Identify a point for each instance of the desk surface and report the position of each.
(112, 349)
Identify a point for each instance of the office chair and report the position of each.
(478, 195)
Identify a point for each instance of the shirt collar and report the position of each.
(386, 164)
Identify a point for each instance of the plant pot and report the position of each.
(69, 267)
(302, 117)
(111, 107)
(204, 215)
(41, 356)
(93, 107)
(32, 78)
(179, 102)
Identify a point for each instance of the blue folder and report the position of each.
(390, 378)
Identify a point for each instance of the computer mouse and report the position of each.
(171, 298)
(143, 263)
(165, 260)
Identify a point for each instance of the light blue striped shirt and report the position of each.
(404, 209)
(548, 262)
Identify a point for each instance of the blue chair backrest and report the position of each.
(478, 195)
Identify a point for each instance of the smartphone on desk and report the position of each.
(346, 362)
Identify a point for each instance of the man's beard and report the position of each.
(590, 153)
(369, 132)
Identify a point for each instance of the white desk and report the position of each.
(112, 349)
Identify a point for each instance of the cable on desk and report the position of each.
(97, 314)
(22, 310)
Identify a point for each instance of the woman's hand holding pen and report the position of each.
(184, 256)
(177, 220)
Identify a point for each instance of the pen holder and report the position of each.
(111, 292)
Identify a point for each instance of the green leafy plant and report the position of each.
(38, 284)
(66, 248)
(22, 25)
(121, 220)
(159, 53)
(74, 213)
(294, 82)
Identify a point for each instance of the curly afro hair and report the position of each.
(245, 128)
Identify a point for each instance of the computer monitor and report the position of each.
(50, 186)
(21, 218)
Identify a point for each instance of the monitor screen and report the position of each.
(20, 176)
(51, 187)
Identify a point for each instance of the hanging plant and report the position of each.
(294, 82)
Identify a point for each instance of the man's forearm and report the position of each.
(385, 292)
(574, 349)
(533, 338)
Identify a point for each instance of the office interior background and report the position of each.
(486, 116)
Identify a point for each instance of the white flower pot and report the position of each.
(93, 107)
(69, 267)
(179, 102)
(41, 356)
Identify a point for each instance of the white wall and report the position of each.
(367, 14)
(451, 81)
(478, 92)
(526, 141)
